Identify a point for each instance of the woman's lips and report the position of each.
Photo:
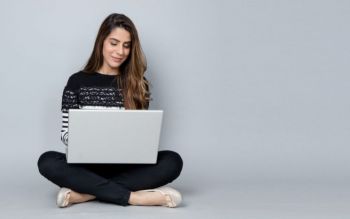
(117, 59)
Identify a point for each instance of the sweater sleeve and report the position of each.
(69, 101)
(148, 91)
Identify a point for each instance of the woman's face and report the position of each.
(116, 49)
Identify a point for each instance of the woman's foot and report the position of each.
(164, 196)
(63, 197)
(67, 197)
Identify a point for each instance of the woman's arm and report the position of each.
(69, 101)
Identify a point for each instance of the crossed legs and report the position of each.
(116, 183)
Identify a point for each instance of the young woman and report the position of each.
(113, 77)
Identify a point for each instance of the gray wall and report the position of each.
(253, 91)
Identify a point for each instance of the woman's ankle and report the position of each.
(134, 198)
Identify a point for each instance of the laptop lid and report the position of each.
(113, 136)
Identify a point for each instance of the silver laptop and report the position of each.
(113, 136)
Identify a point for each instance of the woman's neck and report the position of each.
(108, 71)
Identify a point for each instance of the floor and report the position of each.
(246, 200)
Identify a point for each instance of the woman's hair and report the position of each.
(132, 81)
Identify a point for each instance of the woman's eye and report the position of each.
(127, 46)
(113, 44)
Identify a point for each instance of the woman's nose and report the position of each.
(120, 50)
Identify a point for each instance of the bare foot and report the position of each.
(76, 197)
(147, 198)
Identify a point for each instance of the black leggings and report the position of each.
(110, 182)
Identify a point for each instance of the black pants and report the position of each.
(110, 182)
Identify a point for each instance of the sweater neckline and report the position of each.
(104, 75)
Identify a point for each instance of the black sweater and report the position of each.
(89, 91)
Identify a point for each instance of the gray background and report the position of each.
(255, 95)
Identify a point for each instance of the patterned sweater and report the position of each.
(89, 91)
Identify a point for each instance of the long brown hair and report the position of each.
(132, 81)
